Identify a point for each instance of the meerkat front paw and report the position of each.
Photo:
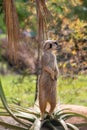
(56, 76)
(52, 75)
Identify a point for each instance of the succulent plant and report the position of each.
(29, 118)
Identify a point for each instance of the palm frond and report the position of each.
(43, 15)
(12, 29)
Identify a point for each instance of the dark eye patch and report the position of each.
(50, 45)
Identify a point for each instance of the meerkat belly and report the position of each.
(46, 83)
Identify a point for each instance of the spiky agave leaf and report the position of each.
(71, 126)
(4, 113)
(32, 115)
(12, 126)
(30, 110)
(63, 123)
(23, 113)
(8, 109)
(81, 124)
(36, 125)
(59, 112)
(63, 114)
(29, 114)
(66, 115)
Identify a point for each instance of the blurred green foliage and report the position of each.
(1, 6)
(21, 90)
(73, 90)
(2, 22)
(69, 22)
(27, 12)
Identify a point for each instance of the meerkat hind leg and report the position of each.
(43, 108)
(52, 106)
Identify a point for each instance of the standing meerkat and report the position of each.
(48, 77)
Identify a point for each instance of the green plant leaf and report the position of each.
(61, 110)
(26, 116)
(17, 108)
(66, 116)
(12, 126)
(24, 113)
(74, 114)
(63, 123)
(73, 127)
(4, 114)
(81, 124)
(3, 98)
(69, 114)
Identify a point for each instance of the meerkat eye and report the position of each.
(55, 43)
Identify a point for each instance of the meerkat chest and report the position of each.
(52, 61)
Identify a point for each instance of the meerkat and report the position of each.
(48, 77)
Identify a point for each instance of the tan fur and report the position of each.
(48, 78)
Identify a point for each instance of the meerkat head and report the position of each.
(50, 45)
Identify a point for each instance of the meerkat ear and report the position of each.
(47, 46)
